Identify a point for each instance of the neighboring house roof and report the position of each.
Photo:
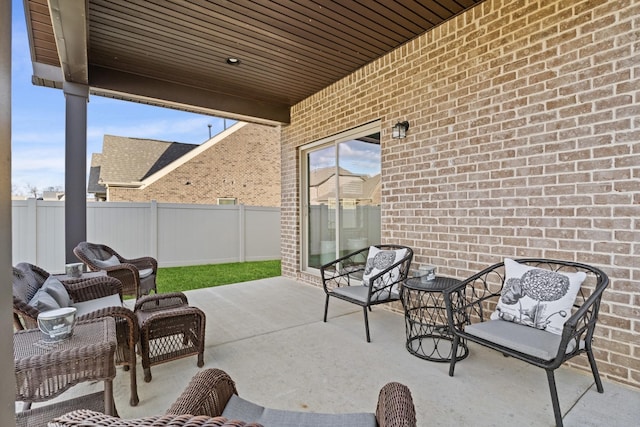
(363, 188)
(94, 185)
(131, 160)
(319, 176)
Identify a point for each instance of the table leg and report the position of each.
(109, 404)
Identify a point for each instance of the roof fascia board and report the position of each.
(70, 28)
(47, 72)
(192, 154)
(108, 184)
(136, 88)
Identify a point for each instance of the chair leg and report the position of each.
(454, 351)
(326, 307)
(366, 323)
(594, 369)
(133, 401)
(554, 398)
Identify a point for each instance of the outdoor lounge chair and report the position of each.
(367, 277)
(93, 298)
(138, 275)
(212, 393)
(515, 307)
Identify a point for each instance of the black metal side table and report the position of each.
(428, 335)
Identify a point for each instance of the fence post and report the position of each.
(32, 231)
(153, 228)
(242, 229)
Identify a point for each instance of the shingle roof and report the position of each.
(318, 176)
(130, 160)
(94, 175)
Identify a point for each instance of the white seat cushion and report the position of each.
(145, 272)
(96, 304)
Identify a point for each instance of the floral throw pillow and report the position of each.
(379, 260)
(537, 297)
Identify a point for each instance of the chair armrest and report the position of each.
(84, 417)
(120, 315)
(161, 301)
(395, 406)
(466, 302)
(580, 326)
(207, 394)
(341, 271)
(97, 287)
(383, 282)
(24, 315)
(142, 262)
(127, 273)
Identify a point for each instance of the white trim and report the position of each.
(47, 72)
(366, 129)
(303, 150)
(233, 199)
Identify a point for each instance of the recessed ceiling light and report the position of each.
(233, 61)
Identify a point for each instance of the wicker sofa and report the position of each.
(211, 399)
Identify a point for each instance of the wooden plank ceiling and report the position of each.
(287, 49)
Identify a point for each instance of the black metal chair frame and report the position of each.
(474, 299)
(348, 270)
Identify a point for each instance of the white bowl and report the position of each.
(57, 324)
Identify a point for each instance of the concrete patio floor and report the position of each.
(270, 337)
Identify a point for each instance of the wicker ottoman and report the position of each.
(169, 329)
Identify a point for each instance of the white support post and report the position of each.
(7, 396)
(32, 231)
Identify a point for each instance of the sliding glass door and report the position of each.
(341, 195)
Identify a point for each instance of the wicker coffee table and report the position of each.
(44, 369)
(169, 329)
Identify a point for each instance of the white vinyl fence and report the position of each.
(175, 234)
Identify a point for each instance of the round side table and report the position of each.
(428, 335)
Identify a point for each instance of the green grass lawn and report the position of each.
(175, 279)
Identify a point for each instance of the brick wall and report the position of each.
(244, 165)
(524, 142)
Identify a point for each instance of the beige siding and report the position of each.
(245, 166)
(523, 143)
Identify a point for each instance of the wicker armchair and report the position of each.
(207, 397)
(138, 275)
(344, 277)
(470, 304)
(97, 293)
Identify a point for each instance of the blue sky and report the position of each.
(38, 121)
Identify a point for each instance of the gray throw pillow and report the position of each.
(42, 301)
(110, 262)
(56, 289)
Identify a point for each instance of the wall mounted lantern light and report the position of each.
(399, 130)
